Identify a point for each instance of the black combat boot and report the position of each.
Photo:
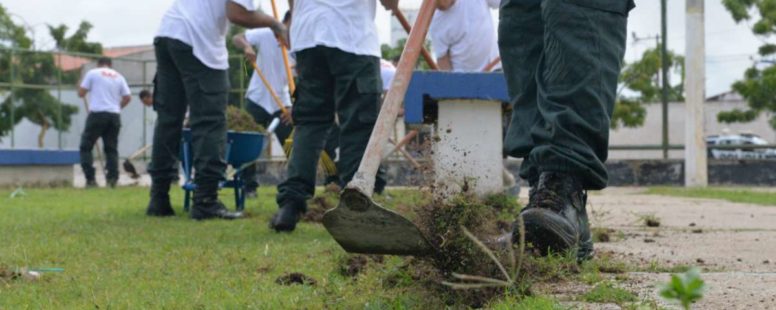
(207, 206)
(289, 214)
(159, 205)
(556, 218)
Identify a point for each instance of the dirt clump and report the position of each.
(295, 278)
(602, 235)
(443, 223)
(353, 265)
(317, 206)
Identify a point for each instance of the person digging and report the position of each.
(108, 93)
(338, 61)
(192, 73)
(262, 44)
(561, 60)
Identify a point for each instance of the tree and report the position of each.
(36, 105)
(640, 84)
(758, 85)
(77, 41)
(393, 53)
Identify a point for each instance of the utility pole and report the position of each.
(664, 61)
(695, 160)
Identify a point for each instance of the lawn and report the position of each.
(764, 197)
(116, 257)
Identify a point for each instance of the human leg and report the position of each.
(313, 115)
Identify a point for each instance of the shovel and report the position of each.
(129, 167)
(359, 224)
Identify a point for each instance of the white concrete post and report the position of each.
(467, 153)
(695, 157)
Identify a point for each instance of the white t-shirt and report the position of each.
(348, 25)
(270, 62)
(466, 32)
(203, 25)
(106, 87)
(387, 71)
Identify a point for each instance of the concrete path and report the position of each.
(733, 243)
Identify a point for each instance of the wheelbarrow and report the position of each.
(242, 149)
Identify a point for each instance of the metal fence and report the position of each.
(40, 108)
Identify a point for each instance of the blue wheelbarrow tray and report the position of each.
(242, 148)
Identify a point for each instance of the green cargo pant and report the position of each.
(182, 81)
(331, 146)
(103, 125)
(330, 81)
(561, 60)
(262, 117)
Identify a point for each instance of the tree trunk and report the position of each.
(44, 126)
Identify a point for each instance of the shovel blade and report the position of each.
(360, 225)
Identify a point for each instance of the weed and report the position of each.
(686, 288)
(601, 234)
(607, 292)
(457, 229)
(650, 220)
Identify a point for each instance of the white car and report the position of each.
(739, 153)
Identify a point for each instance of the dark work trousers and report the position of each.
(562, 59)
(330, 147)
(183, 81)
(104, 125)
(330, 81)
(262, 117)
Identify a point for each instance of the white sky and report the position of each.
(120, 22)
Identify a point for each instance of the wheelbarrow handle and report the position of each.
(364, 178)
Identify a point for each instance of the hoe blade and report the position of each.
(361, 226)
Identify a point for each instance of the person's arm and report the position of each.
(82, 92)
(444, 63)
(241, 42)
(493, 4)
(125, 101)
(85, 85)
(126, 94)
(390, 5)
(241, 16)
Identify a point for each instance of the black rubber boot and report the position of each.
(207, 206)
(212, 208)
(555, 218)
(586, 250)
(287, 217)
(91, 183)
(159, 205)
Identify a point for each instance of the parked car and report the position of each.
(742, 140)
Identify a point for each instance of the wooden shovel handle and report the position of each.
(291, 83)
(271, 91)
(364, 178)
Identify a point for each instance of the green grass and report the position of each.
(730, 194)
(116, 257)
(606, 292)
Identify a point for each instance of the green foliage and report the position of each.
(642, 79)
(36, 105)
(76, 42)
(686, 288)
(392, 53)
(240, 71)
(607, 292)
(12, 35)
(758, 85)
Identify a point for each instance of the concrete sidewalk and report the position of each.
(733, 243)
